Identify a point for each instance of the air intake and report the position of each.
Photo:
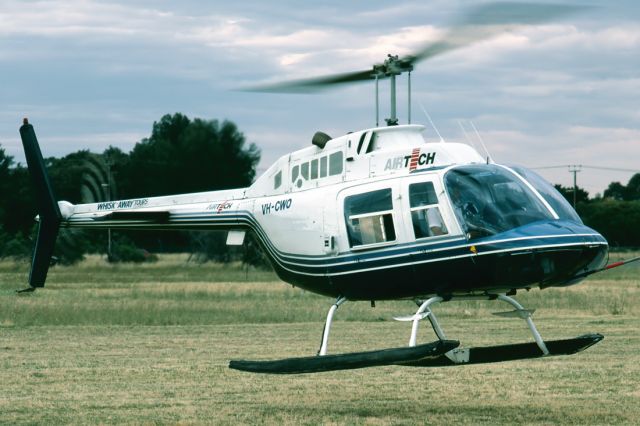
(320, 139)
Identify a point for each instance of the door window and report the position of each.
(425, 214)
(369, 218)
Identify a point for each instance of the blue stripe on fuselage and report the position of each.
(535, 236)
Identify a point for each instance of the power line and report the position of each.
(614, 169)
(576, 168)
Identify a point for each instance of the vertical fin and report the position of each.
(50, 216)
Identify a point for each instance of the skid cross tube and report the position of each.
(527, 318)
(327, 325)
(418, 316)
(424, 311)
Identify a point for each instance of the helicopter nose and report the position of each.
(595, 243)
(548, 253)
(587, 250)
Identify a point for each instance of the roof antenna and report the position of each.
(489, 159)
(466, 136)
(431, 121)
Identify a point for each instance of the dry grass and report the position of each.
(116, 345)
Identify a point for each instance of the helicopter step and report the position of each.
(511, 352)
(314, 364)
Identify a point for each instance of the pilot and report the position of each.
(465, 203)
(461, 201)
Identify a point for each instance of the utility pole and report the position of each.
(575, 169)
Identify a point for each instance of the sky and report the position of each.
(90, 74)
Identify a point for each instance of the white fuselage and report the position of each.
(370, 216)
(297, 200)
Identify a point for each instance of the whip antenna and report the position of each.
(489, 159)
(466, 136)
(431, 121)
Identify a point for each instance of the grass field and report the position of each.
(151, 344)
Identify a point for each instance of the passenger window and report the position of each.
(294, 173)
(304, 170)
(369, 218)
(335, 163)
(372, 143)
(323, 167)
(361, 141)
(314, 169)
(425, 214)
(277, 180)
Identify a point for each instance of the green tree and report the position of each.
(620, 192)
(582, 196)
(617, 221)
(18, 202)
(633, 188)
(184, 155)
(615, 191)
(5, 163)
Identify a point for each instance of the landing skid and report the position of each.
(315, 364)
(509, 352)
(440, 353)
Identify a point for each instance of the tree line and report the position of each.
(615, 213)
(185, 155)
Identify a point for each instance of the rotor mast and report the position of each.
(392, 67)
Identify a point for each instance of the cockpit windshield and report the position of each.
(488, 200)
(562, 208)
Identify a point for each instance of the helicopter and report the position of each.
(379, 214)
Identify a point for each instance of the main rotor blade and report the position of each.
(309, 85)
(480, 23)
(489, 20)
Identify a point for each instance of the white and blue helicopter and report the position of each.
(379, 214)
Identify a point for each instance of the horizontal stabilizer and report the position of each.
(316, 364)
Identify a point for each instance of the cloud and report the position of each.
(578, 145)
(78, 18)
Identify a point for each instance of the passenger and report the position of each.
(436, 225)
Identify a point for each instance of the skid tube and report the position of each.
(440, 353)
(476, 355)
(323, 362)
